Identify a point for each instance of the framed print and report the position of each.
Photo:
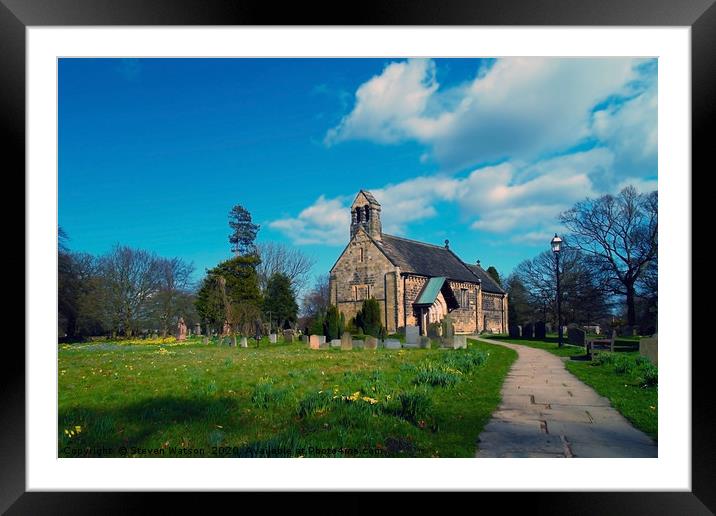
(414, 250)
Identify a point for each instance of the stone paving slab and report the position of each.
(548, 412)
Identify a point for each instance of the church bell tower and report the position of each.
(365, 213)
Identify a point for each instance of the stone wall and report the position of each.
(354, 279)
(493, 312)
(465, 318)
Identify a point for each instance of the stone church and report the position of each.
(415, 283)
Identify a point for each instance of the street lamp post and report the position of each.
(556, 248)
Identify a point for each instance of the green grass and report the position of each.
(274, 400)
(623, 378)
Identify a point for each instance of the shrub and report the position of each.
(649, 375)
(623, 365)
(465, 360)
(414, 406)
(437, 375)
(265, 393)
(333, 324)
(603, 359)
(314, 402)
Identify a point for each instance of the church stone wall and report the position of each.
(465, 318)
(354, 279)
(493, 312)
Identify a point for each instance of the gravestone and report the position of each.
(335, 343)
(181, 327)
(346, 341)
(244, 342)
(649, 347)
(434, 330)
(304, 339)
(273, 338)
(576, 336)
(371, 342)
(528, 331)
(233, 341)
(314, 342)
(321, 339)
(564, 330)
(460, 342)
(197, 329)
(540, 330)
(205, 340)
(412, 336)
(515, 331)
(288, 335)
(425, 342)
(392, 344)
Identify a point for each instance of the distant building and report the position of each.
(415, 283)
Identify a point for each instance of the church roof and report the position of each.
(488, 284)
(369, 197)
(425, 259)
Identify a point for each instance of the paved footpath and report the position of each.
(547, 412)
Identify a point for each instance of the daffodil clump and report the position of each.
(72, 432)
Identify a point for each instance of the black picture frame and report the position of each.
(16, 15)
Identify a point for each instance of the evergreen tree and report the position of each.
(243, 231)
(333, 323)
(494, 274)
(280, 299)
(368, 317)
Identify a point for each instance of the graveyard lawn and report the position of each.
(620, 379)
(277, 400)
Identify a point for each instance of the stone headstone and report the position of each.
(576, 336)
(392, 344)
(515, 331)
(197, 329)
(649, 347)
(181, 328)
(335, 343)
(321, 339)
(233, 341)
(459, 342)
(273, 338)
(314, 342)
(540, 330)
(288, 335)
(205, 340)
(448, 328)
(528, 331)
(425, 342)
(304, 339)
(346, 341)
(244, 342)
(371, 342)
(434, 331)
(564, 330)
(412, 336)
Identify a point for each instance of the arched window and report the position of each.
(367, 213)
(358, 215)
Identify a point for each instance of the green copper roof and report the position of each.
(430, 291)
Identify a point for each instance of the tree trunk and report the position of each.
(630, 300)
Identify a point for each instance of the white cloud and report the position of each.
(518, 109)
(326, 221)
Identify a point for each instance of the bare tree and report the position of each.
(174, 282)
(316, 302)
(128, 281)
(280, 258)
(619, 234)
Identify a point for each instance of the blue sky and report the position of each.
(153, 153)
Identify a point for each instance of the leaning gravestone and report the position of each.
(649, 347)
(425, 342)
(371, 342)
(515, 331)
(346, 341)
(528, 331)
(460, 342)
(244, 342)
(576, 336)
(335, 343)
(392, 344)
(412, 336)
(314, 342)
(273, 338)
(540, 330)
